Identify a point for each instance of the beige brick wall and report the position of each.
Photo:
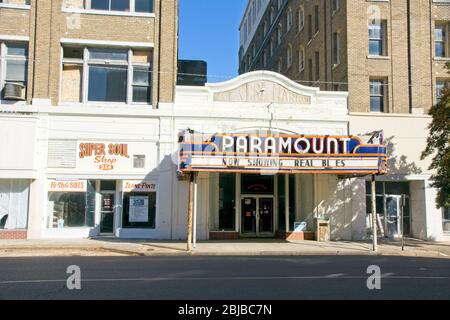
(52, 25)
(356, 67)
(21, 19)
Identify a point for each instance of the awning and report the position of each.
(281, 153)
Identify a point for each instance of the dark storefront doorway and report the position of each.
(107, 193)
(257, 206)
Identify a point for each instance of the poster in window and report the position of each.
(138, 209)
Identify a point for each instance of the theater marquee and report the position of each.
(347, 155)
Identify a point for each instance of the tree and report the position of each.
(438, 146)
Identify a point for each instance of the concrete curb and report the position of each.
(146, 251)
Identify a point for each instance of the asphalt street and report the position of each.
(225, 278)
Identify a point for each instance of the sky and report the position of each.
(209, 30)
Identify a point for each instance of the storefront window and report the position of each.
(139, 210)
(282, 202)
(446, 219)
(227, 206)
(389, 208)
(14, 204)
(72, 209)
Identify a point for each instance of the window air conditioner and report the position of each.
(14, 91)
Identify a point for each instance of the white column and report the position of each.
(194, 233)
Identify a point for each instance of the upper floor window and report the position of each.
(317, 63)
(301, 19)
(377, 95)
(272, 15)
(441, 41)
(289, 20)
(289, 56)
(336, 49)
(279, 34)
(16, 2)
(280, 65)
(441, 86)
(335, 4)
(301, 59)
(377, 38)
(310, 32)
(106, 75)
(13, 70)
(140, 6)
(316, 19)
(265, 29)
(272, 47)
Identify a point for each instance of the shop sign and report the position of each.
(269, 153)
(103, 156)
(138, 186)
(67, 186)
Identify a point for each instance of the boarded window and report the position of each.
(71, 83)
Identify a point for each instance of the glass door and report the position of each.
(107, 212)
(392, 217)
(265, 216)
(249, 216)
(257, 216)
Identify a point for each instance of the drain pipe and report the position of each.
(408, 16)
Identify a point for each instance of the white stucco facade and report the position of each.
(47, 146)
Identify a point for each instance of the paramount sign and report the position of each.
(279, 153)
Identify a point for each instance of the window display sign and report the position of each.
(139, 186)
(138, 211)
(282, 153)
(67, 186)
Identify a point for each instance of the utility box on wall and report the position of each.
(322, 229)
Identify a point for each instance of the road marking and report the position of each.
(330, 277)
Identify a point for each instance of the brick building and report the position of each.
(74, 72)
(389, 56)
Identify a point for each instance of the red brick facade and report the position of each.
(13, 234)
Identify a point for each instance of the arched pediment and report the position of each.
(263, 87)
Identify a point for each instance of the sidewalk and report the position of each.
(260, 247)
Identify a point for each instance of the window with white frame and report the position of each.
(377, 38)
(139, 6)
(106, 75)
(288, 20)
(441, 85)
(289, 56)
(16, 2)
(440, 40)
(301, 19)
(301, 59)
(13, 70)
(377, 95)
